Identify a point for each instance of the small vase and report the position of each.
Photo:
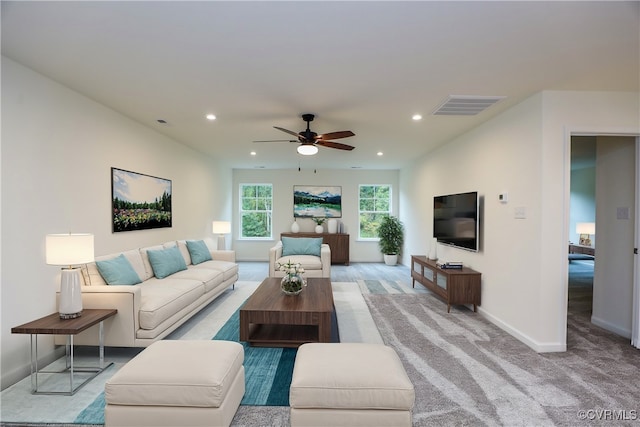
(433, 250)
(319, 229)
(332, 226)
(292, 285)
(295, 227)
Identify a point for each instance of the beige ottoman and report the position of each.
(350, 384)
(178, 383)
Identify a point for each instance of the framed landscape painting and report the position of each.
(317, 201)
(138, 201)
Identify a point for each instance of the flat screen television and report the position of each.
(456, 220)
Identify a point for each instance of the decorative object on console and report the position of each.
(69, 250)
(585, 230)
(139, 201)
(221, 228)
(433, 249)
(332, 226)
(295, 227)
(292, 282)
(391, 234)
(319, 222)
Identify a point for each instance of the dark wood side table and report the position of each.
(53, 325)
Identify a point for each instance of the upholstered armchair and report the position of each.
(311, 253)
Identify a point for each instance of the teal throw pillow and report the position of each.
(118, 271)
(165, 262)
(199, 251)
(301, 246)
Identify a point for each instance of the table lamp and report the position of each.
(585, 230)
(69, 250)
(221, 228)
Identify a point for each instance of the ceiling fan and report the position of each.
(309, 140)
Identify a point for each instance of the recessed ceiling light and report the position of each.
(380, 153)
(253, 153)
(210, 116)
(416, 117)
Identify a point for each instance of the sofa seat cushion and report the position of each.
(350, 376)
(210, 278)
(229, 269)
(162, 298)
(308, 262)
(177, 373)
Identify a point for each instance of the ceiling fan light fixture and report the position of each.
(307, 149)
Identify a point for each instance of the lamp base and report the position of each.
(70, 294)
(67, 316)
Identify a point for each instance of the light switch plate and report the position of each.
(520, 212)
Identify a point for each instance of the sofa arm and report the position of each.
(275, 253)
(221, 255)
(120, 330)
(325, 259)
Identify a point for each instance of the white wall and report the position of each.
(613, 275)
(57, 151)
(283, 182)
(524, 151)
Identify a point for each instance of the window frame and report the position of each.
(242, 211)
(360, 211)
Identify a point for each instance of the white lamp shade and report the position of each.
(307, 149)
(69, 249)
(221, 227)
(586, 228)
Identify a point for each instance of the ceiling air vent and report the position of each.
(462, 105)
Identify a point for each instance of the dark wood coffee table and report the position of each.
(270, 318)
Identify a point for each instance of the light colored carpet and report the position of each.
(468, 372)
(18, 405)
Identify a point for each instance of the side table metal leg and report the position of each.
(101, 338)
(34, 362)
(70, 341)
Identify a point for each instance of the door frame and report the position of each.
(605, 131)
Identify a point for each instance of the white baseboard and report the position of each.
(611, 327)
(535, 345)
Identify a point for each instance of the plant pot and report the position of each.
(391, 259)
(292, 286)
(319, 229)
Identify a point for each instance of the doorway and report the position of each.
(603, 192)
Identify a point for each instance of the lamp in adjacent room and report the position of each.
(585, 230)
(221, 228)
(69, 250)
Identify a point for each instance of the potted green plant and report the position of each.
(319, 222)
(391, 234)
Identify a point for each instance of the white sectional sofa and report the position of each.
(150, 310)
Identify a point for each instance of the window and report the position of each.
(374, 203)
(256, 201)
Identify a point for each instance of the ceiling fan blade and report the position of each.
(279, 140)
(335, 135)
(290, 132)
(331, 144)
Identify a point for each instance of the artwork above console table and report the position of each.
(338, 242)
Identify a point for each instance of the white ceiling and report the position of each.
(360, 66)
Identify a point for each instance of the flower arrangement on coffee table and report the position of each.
(292, 282)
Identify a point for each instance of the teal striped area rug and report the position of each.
(383, 287)
(267, 370)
